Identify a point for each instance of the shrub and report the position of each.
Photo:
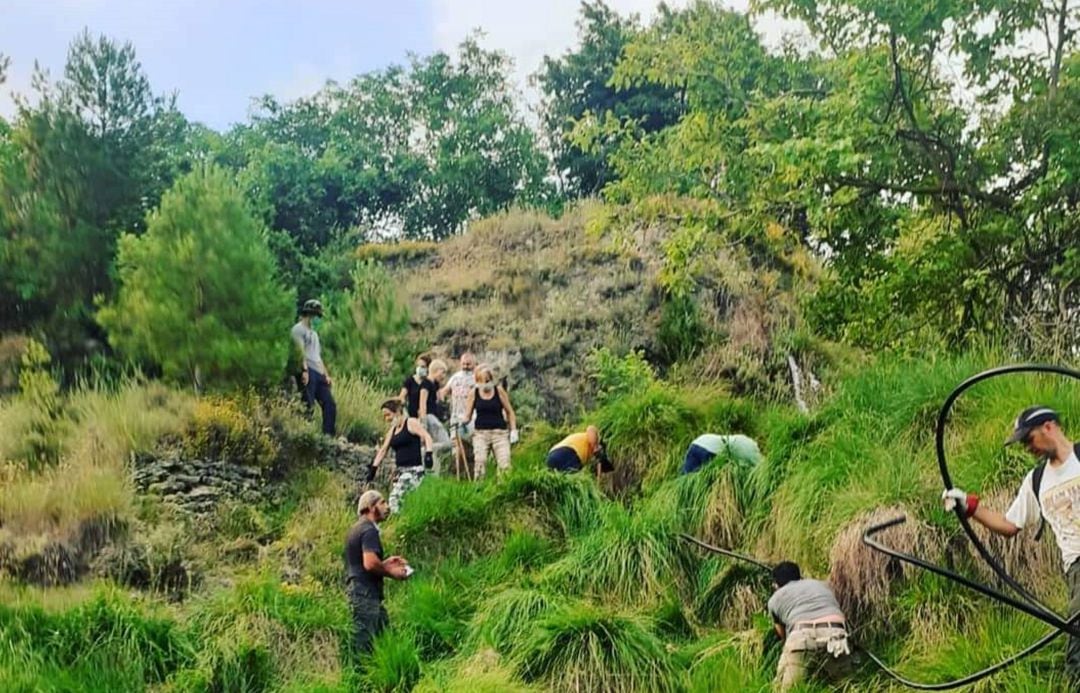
(221, 430)
(618, 376)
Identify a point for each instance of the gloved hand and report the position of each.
(429, 460)
(838, 647)
(369, 476)
(514, 437)
(954, 496)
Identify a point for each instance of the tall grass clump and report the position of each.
(447, 519)
(502, 619)
(107, 643)
(640, 433)
(393, 665)
(583, 647)
(435, 610)
(629, 559)
(571, 501)
(728, 663)
(314, 533)
(359, 418)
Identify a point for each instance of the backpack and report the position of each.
(1036, 484)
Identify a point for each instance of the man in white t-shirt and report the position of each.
(458, 388)
(1058, 503)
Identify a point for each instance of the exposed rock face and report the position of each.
(198, 486)
(59, 561)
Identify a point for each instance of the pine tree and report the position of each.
(199, 290)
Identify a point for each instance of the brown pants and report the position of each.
(497, 441)
(805, 654)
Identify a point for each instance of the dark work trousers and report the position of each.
(318, 390)
(1072, 649)
(369, 617)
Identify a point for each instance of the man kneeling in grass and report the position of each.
(808, 619)
(365, 570)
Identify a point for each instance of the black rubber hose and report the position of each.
(1050, 618)
(946, 685)
(725, 552)
(943, 417)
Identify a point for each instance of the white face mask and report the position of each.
(487, 387)
(421, 371)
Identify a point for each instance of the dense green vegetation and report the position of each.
(809, 245)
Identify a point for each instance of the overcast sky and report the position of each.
(218, 54)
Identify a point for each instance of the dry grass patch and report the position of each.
(861, 577)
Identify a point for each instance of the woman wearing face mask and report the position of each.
(415, 385)
(495, 427)
(405, 437)
(428, 402)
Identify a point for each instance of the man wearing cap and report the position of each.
(365, 569)
(314, 378)
(1050, 492)
(808, 619)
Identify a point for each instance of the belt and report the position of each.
(824, 624)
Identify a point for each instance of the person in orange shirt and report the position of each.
(574, 451)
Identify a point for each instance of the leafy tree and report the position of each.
(579, 84)
(417, 150)
(199, 291)
(88, 160)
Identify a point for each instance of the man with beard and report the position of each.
(1050, 492)
(365, 569)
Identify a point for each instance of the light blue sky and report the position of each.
(219, 54)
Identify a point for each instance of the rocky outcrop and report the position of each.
(59, 561)
(198, 486)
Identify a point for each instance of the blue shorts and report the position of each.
(695, 457)
(563, 460)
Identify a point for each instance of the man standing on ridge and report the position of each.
(1050, 492)
(365, 569)
(808, 619)
(315, 378)
(458, 388)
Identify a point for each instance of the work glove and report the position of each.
(514, 437)
(838, 647)
(954, 497)
(429, 460)
(369, 476)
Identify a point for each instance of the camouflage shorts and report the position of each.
(405, 481)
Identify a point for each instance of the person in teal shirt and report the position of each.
(707, 446)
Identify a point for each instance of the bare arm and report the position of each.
(444, 391)
(511, 418)
(423, 403)
(403, 395)
(393, 567)
(469, 404)
(995, 522)
(780, 630)
(417, 428)
(384, 447)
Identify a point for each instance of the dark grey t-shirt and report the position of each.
(363, 536)
(803, 600)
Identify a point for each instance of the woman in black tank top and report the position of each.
(405, 436)
(495, 427)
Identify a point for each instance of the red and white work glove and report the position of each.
(955, 497)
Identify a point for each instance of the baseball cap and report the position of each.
(1030, 418)
(368, 500)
